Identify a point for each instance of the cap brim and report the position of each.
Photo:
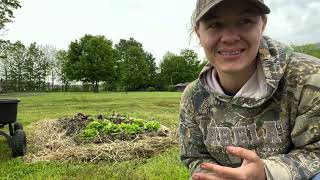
(207, 9)
(264, 9)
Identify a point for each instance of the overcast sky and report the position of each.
(160, 25)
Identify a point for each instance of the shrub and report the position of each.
(172, 88)
(86, 87)
(151, 89)
(74, 88)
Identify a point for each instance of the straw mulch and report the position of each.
(50, 141)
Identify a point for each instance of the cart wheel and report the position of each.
(17, 126)
(19, 143)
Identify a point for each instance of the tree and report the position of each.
(4, 44)
(152, 69)
(62, 59)
(23, 68)
(181, 68)
(172, 69)
(50, 54)
(6, 11)
(16, 55)
(4, 49)
(91, 59)
(193, 63)
(137, 67)
(4, 64)
(36, 68)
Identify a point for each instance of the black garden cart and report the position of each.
(8, 116)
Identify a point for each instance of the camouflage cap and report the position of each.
(203, 6)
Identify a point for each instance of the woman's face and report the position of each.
(230, 36)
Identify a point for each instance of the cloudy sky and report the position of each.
(160, 26)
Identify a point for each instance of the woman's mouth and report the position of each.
(230, 53)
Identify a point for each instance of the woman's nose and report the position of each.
(230, 35)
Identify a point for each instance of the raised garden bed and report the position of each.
(112, 137)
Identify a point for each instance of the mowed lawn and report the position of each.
(34, 107)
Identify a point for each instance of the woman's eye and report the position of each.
(215, 25)
(245, 21)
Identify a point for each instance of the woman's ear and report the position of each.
(196, 29)
(264, 21)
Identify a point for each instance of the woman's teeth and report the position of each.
(230, 53)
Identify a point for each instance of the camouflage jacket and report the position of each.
(283, 127)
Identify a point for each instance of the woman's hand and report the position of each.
(252, 167)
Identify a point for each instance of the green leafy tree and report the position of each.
(6, 11)
(152, 70)
(50, 54)
(91, 59)
(4, 49)
(62, 59)
(15, 59)
(310, 49)
(4, 44)
(12, 59)
(172, 69)
(193, 64)
(36, 68)
(137, 67)
(23, 68)
(17, 66)
(181, 68)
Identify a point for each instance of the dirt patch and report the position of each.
(59, 140)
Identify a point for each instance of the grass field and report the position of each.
(163, 106)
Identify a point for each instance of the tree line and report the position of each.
(95, 62)
(92, 60)
(22, 68)
(98, 64)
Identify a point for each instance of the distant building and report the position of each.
(181, 86)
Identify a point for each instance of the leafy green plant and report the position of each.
(89, 133)
(152, 126)
(95, 125)
(138, 122)
(130, 128)
(117, 124)
(110, 128)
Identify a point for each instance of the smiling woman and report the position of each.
(253, 113)
(230, 36)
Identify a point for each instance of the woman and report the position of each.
(254, 111)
